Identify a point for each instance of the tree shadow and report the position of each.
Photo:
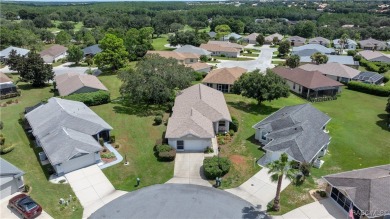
(253, 108)
(251, 212)
(141, 110)
(384, 121)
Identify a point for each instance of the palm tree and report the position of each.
(343, 41)
(278, 169)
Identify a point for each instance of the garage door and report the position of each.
(195, 145)
(78, 163)
(8, 187)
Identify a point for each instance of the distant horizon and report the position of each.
(84, 1)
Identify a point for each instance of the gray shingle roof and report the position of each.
(345, 60)
(67, 126)
(212, 34)
(195, 109)
(94, 49)
(8, 169)
(332, 68)
(368, 189)
(319, 40)
(349, 42)
(310, 49)
(5, 52)
(296, 130)
(192, 49)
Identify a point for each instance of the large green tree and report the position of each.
(284, 47)
(138, 42)
(33, 69)
(293, 61)
(279, 169)
(261, 87)
(75, 54)
(188, 38)
(319, 58)
(222, 30)
(113, 55)
(154, 80)
(260, 39)
(63, 38)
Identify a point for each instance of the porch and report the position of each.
(320, 94)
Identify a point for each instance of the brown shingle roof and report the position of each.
(296, 39)
(251, 36)
(368, 54)
(4, 78)
(54, 51)
(271, 37)
(226, 44)
(175, 55)
(333, 68)
(369, 188)
(218, 48)
(71, 82)
(224, 75)
(198, 66)
(309, 79)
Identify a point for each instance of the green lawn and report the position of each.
(359, 140)
(250, 54)
(386, 52)
(77, 27)
(158, 43)
(187, 28)
(232, 59)
(25, 155)
(136, 134)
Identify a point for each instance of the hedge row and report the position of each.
(165, 152)
(369, 88)
(92, 98)
(374, 66)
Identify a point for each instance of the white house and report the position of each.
(11, 179)
(54, 53)
(296, 130)
(199, 113)
(349, 45)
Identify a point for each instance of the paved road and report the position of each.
(262, 62)
(178, 201)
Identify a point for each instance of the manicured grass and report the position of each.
(232, 59)
(359, 140)
(136, 134)
(386, 52)
(243, 150)
(158, 43)
(25, 155)
(250, 54)
(186, 28)
(277, 62)
(77, 26)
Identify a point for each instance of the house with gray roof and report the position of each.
(319, 40)
(251, 38)
(310, 49)
(11, 179)
(68, 132)
(91, 51)
(234, 35)
(369, 78)
(54, 53)
(367, 190)
(344, 60)
(4, 54)
(193, 49)
(374, 56)
(299, 131)
(372, 44)
(270, 39)
(296, 40)
(212, 34)
(199, 113)
(349, 45)
(335, 71)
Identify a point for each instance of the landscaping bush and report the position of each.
(163, 148)
(160, 113)
(6, 149)
(231, 132)
(157, 120)
(223, 55)
(351, 52)
(203, 58)
(101, 141)
(170, 106)
(108, 155)
(116, 145)
(305, 168)
(91, 99)
(26, 188)
(387, 78)
(208, 150)
(112, 138)
(322, 193)
(198, 76)
(212, 169)
(234, 124)
(377, 90)
(167, 155)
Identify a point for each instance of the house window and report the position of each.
(221, 123)
(338, 78)
(223, 88)
(300, 88)
(294, 86)
(209, 84)
(180, 145)
(263, 133)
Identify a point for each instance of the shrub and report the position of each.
(387, 78)
(62, 181)
(208, 150)
(170, 106)
(231, 132)
(213, 169)
(369, 88)
(203, 58)
(305, 168)
(234, 124)
(92, 98)
(26, 188)
(223, 55)
(9, 101)
(116, 145)
(322, 193)
(198, 76)
(163, 148)
(351, 52)
(167, 155)
(6, 149)
(160, 113)
(101, 141)
(112, 138)
(221, 140)
(108, 155)
(157, 120)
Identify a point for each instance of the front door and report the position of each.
(180, 145)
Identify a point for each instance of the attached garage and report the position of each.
(11, 179)
(190, 145)
(77, 163)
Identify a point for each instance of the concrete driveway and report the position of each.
(189, 169)
(178, 201)
(6, 212)
(92, 188)
(259, 189)
(325, 208)
(262, 62)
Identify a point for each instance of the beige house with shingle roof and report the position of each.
(269, 39)
(218, 50)
(72, 83)
(182, 58)
(200, 67)
(198, 115)
(335, 71)
(54, 53)
(223, 79)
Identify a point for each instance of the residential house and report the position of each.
(4, 54)
(54, 53)
(251, 38)
(212, 34)
(218, 50)
(199, 113)
(310, 49)
(11, 179)
(68, 132)
(7, 87)
(4, 79)
(349, 45)
(91, 51)
(223, 79)
(296, 40)
(372, 44)
(182, 58)
(231, 35)
(320, 40)
(335, 71)
(193, 50)
(369, 78)
(227, 44)
(296, 130)
(200, 67)
(374, 56)
(270, 39)
(366, 190)
(73, 83)
(309, 84)
(344, 60)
